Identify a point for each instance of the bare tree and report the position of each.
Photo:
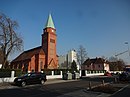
(81, 55)
(1, 56)
(10, 41)
(113, 59)
(116, 64)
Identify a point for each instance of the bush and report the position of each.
(56, 72)
(18, 72)
(5, 73)
(47, 71)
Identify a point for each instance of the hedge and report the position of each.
(7, 72)
(18, 72)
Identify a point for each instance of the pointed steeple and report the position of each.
(49, 22)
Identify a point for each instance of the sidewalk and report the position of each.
(5, 85)
(86, 93)
(53, 81)
(123, 92)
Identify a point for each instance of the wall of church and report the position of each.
(41, 62)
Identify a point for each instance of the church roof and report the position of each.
(29, 54)
(49, 22)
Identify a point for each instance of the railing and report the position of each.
(94, 72)
(100, 72)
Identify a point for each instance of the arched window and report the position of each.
(41, 65)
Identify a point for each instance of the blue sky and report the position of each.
(101, 26)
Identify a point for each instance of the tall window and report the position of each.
(52, 40)
(41, 65)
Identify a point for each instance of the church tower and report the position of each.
(49, 44)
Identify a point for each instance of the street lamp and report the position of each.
(128, 47)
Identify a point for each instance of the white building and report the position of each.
(62, 61)
(72, 55)
(66, 60)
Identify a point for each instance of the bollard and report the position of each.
(115, 80)
(103, 83)
(90, 85)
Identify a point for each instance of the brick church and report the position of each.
(42, 57)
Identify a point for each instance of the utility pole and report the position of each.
(128, 50)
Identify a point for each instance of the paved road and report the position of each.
(47, 90)
(59, 88)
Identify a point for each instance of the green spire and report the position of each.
(49, 22)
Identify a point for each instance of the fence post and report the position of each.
(86, 72)
(80, 72)
(52, 72)
(90, 85)
(61, 73)
(12, 73)
(103, 83)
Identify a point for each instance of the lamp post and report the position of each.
(128, 47)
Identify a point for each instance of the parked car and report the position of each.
(115, 74)
(30, 78)
(107, 74)
(124, 76)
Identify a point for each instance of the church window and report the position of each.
(41, 65)
(52, 40)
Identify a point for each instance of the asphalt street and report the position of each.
(63, 88)
(46, 90)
